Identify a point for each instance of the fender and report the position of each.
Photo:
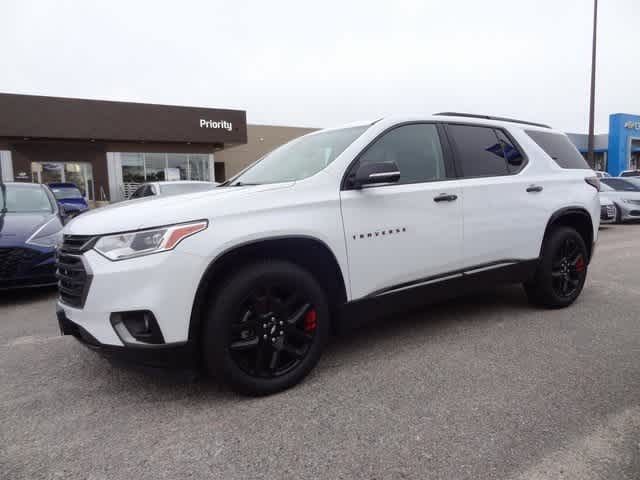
(221, 264)
(571, 213)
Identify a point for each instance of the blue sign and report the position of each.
(623, 129)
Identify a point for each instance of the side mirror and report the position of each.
(64, 214)
(375, 173)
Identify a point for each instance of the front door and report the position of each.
(396, 234)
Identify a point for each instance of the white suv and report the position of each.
(248, 280)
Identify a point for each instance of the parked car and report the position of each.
(30, 230)
(625, 194)
(177, 187)
(630, 173)
(607, 210)
(69, 196)
(251, 277)
(601, 174)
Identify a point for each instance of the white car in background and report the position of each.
(625, 194)
(151, 189)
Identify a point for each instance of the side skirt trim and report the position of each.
(448, 276)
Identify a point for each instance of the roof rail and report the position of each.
(490, 117)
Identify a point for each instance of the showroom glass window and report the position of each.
(141, 167)
(478, 150)
(415, 149)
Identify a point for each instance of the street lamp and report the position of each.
(590, 156)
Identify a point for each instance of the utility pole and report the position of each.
(590, 156)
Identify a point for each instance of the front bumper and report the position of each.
(24, 267)
(179, 355)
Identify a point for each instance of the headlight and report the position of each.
(48, 235)
(145, 242)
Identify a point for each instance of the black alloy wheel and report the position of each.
(568, 268)
(561, 271)
(266, 327)
(272, 331)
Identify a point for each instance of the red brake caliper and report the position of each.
(310, 320)
(580, 264)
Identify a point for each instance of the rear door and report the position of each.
(400, 234)
(504, 212)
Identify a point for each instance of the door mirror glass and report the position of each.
(370, 173)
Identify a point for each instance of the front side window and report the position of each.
(300, 158)
(559, 148)
(24, 199)
(415, 149)
(479, 151)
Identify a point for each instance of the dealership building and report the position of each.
(108, 148)
(619, 149)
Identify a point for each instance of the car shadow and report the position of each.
(418, 324)
(24, 296)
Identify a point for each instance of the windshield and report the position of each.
(300, 158)
(62, 193)
(605, 188)
(24, 199)
(626, 185)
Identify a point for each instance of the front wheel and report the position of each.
(267, 328)
(562, 270)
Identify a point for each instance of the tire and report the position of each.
(618, 214)
(563, 264)
(255, 314)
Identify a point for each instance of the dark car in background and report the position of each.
(30, 231)
(69, 196)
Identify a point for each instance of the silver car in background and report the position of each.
(625, 194)
(176, 187)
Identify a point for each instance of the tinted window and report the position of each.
(620, 185)
(632, 173)
(177, 188)
(514, 157)
(478, 150)
(415, 149)
(560, 148)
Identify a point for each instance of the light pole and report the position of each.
(590, 156)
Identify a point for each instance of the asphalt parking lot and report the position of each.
(483, 387)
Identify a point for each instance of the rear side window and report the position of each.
(560, 148)
(479, 151)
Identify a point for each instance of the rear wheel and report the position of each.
(267, 328)
(618, 214)
(562, 271)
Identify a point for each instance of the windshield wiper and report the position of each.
(243, 184)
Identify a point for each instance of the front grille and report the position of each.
(12, 259)
(607, 212)
(73, 278)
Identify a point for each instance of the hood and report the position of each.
(16, 228)
(604, 201)
(620, 195)
(150, 212)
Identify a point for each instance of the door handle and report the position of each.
(534, 188)
(445, 198)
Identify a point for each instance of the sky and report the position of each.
(325, 63)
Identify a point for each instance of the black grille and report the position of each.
(73, 278)
(11, 259)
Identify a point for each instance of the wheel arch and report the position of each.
(308, 252)
(577, 218)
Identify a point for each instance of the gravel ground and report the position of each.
(483, 387)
